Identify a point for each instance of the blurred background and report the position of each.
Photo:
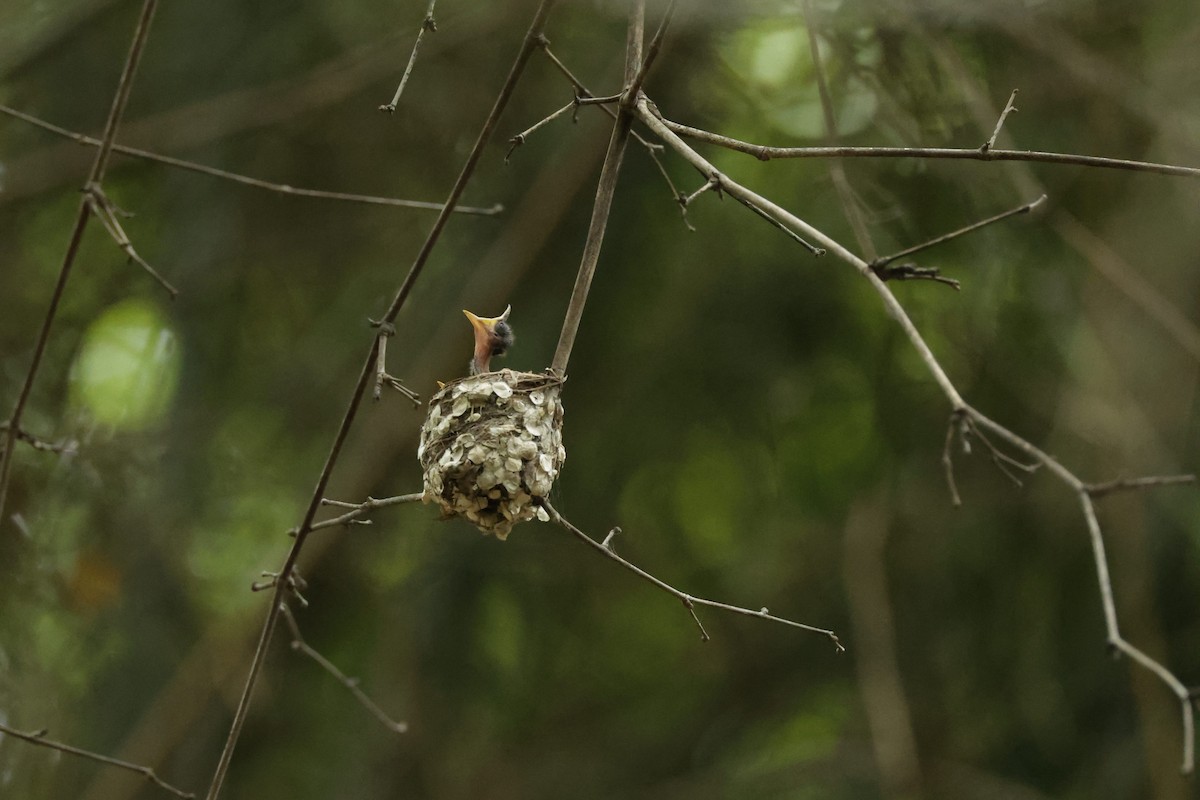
(749, 415)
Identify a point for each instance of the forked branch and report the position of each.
(95, 178)
(962, 413)
(281, 586)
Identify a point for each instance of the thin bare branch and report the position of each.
(386, 331)
(39, 738)
(800, 240)
(974, 419)
(530, 42)
(95, 177)
(766, 153)
(652, 51)
(519, 139)
(597, 101)
(1003, 461)
(1008, 109)
(710, 184)
(1097, 490)
(1108, 604)
(245, 180)
(605, 190)
(883, 261)
(105, 211)
(648, 114)
(428, 24)
(652, 149)
(300, 645)
(359, 510)
(954, 426)
(65, 447)
(689, 601)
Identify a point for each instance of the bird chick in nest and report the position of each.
(493, 337)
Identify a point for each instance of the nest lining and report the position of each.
(491, 448)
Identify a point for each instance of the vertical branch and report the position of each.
(283, 580)
(95, 176)
(605, 189)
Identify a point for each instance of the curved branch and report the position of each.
(959, 407)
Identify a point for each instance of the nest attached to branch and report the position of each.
(491, 448)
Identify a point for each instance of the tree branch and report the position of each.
(245, 180)
(305, 528)
(689, 601)
(766, 153)
(1097, 490)
(39, 738)
(95, 177)
(974, 418)
(301, 646)
(360, 510)
(605, 189)
(1008, 109)
(428, 24)
(883, 261)
(105, 211)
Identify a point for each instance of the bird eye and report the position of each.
(502, 338)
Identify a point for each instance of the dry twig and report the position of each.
(39, 738)
(427, 24)
(95, 177)
(689, 601)
(306, 526)
(971, 417)
(766, 153)
(106, 211)
(606, 187)
(359, 510)
(1008, 109)
(302, 646)
(244, 180)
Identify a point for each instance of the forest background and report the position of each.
(749, 415)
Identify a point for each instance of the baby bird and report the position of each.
(493, 337)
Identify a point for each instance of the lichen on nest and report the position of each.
(491, 448)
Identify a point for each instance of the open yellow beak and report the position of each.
(486, 325)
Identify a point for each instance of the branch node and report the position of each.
(909, 271)
(385, 328)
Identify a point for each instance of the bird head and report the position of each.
(493, 337)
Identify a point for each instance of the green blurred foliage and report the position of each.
(749, 416)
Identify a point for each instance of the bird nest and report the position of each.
(491, 448)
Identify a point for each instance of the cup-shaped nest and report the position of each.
(491, 448)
